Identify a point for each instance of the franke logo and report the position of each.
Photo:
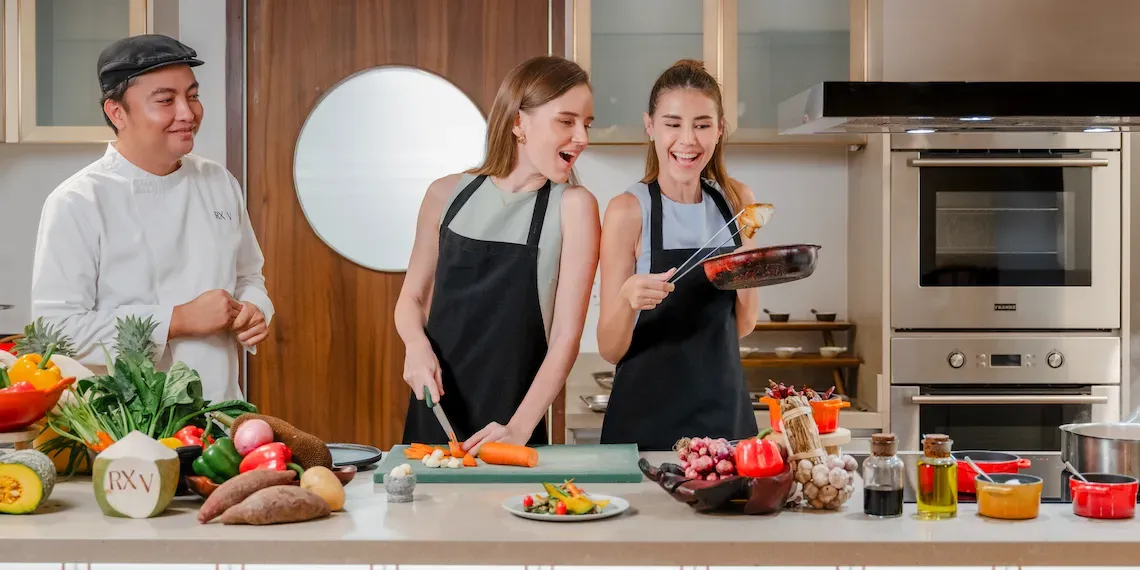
(1005, 306)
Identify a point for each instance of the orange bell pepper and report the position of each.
(39, 371)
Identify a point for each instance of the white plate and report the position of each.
(616, 507)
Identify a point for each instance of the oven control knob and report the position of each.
(1054, 359)
(956, 359)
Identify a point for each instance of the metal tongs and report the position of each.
(677, 276)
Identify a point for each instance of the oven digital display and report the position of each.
(1005, 360)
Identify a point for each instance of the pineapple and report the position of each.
(133, 337)
(37, 337)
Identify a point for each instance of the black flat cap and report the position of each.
(136, 55)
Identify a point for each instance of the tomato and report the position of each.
(758, 458)
(528, 501)
(560, 509)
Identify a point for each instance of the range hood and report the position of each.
(921, 108)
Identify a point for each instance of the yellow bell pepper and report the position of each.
(171, 442)
(37, 370)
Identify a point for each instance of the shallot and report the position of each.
(712, 477)
(725, 467)
(691, 473)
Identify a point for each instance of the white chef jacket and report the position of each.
(116, 240)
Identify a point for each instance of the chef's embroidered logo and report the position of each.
(224, 216)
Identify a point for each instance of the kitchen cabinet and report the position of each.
(51, 49)
(761, 51)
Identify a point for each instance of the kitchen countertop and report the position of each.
(464, 525)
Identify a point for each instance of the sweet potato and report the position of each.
(239, 488)
(276, 505)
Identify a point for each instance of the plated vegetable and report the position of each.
(564, 499)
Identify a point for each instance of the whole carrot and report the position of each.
(499, 453)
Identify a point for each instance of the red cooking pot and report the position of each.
(990, 462)
(1105, 496)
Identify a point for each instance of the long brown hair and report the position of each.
(533, 83)
(691, 74)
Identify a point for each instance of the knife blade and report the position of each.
(439, 415)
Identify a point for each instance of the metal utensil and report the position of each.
(978, 470)
(711, 238)
(1074, 471)
(678, 276)
(439, 415)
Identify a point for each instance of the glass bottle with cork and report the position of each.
(883, 478)
(937, 479)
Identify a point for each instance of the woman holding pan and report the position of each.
(676, 344)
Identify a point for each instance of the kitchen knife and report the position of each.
(439, 415)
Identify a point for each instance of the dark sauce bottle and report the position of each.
(883, 478)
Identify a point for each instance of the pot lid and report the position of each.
(961, 106)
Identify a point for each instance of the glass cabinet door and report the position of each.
(59, 43)
(625, 45)
(783, 47)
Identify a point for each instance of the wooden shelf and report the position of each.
(803, 326)
(770, 360)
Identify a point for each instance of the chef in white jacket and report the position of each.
(152, 230)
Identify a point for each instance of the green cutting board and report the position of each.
(615, 463)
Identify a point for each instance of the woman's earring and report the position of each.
(522, 138)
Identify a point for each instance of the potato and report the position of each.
(325, 485)
(276, 505)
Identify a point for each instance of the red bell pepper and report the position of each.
(275, 456)
(192, 435)
(758, 458)
(20, 387)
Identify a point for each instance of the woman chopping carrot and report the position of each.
(502, 267)
(677, 344)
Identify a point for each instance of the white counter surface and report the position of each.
(464, 525)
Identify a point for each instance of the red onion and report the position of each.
(691, 473)
(712, 477)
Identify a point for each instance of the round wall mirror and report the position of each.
(368, 151)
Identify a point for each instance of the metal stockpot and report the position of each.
(1102, 448)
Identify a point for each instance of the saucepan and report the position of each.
(762, 266)
(990, 462)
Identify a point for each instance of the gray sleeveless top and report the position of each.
(684, 226)
(493, 214)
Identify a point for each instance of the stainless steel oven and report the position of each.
(1014, 231)
(1002, 391)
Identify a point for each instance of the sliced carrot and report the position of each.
(469, 461)
(499, 453)
(456, 449)
(422, 446)
(414, 454)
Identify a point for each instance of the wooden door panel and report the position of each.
(333, 364)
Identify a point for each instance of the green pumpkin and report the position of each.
(27, 478)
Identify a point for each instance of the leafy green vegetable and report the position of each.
(137, 396)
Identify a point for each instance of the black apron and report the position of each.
(681, 376)
(485, 326)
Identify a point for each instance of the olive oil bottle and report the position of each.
(937, 479)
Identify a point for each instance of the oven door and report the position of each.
(1010, 418)
(1005, 239)
(1022, 420)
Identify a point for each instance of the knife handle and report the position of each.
(427, 397)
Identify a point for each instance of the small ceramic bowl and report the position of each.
(831, 351)
(787, 351)
(824, 316)
(400, 489)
